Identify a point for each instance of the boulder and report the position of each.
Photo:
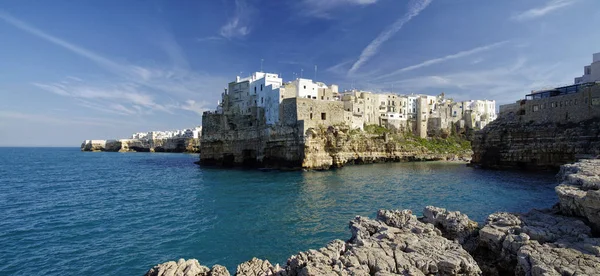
(579, 191)
(182, 267)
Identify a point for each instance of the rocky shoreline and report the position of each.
(562, 240)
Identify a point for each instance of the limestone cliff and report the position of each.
(188, 145)
(338, 146)
(509, 142)
(321, 148)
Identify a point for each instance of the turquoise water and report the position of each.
(66, 212)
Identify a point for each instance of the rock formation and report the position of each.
(188, 145)
(335, 147)
(579, 192)
(509, 142)
(318, 148)
(396, 243)
(556, 241)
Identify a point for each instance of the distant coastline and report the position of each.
(175, 145)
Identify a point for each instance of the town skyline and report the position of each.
(73, 71)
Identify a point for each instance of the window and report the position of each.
(536, 108)
(261, 100)
(311, 108)
(359, 110)
(305, 87)
(323, 116)
(322, 97)
(311, 116)
(261, 87)
(255, 89)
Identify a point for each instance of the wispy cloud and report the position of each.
(505, 82)
(73, 48)
(322, 8)
(111, 98)
(57, 120)
(138, 89)
(414, 8)
(536, 12)
(197, 107)
(430, 62)
(239, 24)
(209, 38)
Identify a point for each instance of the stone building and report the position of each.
(568, 104)
(308, 113)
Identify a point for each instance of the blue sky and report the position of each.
(75, 70)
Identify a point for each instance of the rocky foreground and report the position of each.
(557, 241)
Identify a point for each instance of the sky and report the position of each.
(76, 70)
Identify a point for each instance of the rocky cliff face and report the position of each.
(510, 143)
(189, 145)
(557, 241)
(335, 147)
(321, 148)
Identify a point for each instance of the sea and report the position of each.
(67, 212)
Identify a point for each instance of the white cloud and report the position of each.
(536, 12)
(415, 7)
(322, 8)
(239, 25)
(197, 107)
(458, 55)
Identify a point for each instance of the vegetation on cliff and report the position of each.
(452, 144)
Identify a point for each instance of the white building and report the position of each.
(182, 133)
(306, 88)
(411, 106)
(483, 111)
(591, 73)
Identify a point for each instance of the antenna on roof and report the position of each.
(315, 72)
(301, 72)
(261, 65)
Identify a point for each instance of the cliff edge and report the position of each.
(509, 143)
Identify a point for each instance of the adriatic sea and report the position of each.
(66, 212)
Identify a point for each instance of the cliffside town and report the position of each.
(185, 140)
(546, 129)
(261, 121)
